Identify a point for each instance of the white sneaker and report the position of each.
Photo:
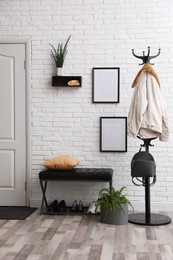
(92, 208)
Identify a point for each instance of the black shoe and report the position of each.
(62, 206)
(53, 206)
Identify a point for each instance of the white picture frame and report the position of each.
(113, 134)
(105, 85)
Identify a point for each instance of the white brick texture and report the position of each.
(64, 120)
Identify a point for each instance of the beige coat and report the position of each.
(148, 117)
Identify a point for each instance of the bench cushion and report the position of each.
(78, 174)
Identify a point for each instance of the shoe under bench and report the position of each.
(75, 174)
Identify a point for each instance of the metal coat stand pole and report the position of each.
(148, 218)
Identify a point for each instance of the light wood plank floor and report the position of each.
(82, 238)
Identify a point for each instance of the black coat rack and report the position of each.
(146, 58)
(147, 218)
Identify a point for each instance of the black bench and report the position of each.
(75, 174)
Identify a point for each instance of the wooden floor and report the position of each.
(82, 237)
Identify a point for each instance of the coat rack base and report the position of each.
(153, 220)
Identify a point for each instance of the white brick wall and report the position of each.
(65, 121)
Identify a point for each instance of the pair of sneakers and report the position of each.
(93, 209)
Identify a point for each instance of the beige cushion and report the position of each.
(61, 163)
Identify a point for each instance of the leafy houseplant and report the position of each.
(59, 53)
(114, 206)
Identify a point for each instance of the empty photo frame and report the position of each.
(105, 82)
(113, 134)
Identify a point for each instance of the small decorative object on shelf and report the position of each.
(66, 81)
(74, 82)
(59, 55)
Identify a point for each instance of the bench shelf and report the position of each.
(68, 212)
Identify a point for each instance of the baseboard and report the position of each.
(154, 207)
(35, 203)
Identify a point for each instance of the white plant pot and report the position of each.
(59, 71)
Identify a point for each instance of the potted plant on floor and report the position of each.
(59, 55)
(114, 206)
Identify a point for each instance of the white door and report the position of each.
(12, 125)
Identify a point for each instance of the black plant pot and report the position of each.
(117, 217)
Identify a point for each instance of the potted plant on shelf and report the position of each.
(114, 206)
(59, 55)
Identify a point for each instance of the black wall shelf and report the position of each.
(67, 81)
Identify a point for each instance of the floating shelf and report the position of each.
(66, 81)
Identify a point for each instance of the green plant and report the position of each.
(59, 53)
(111, 198)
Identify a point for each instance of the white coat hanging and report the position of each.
(148, 116)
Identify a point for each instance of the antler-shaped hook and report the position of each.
(152, 57)
(147, 58)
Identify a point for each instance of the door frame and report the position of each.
(27, 42)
